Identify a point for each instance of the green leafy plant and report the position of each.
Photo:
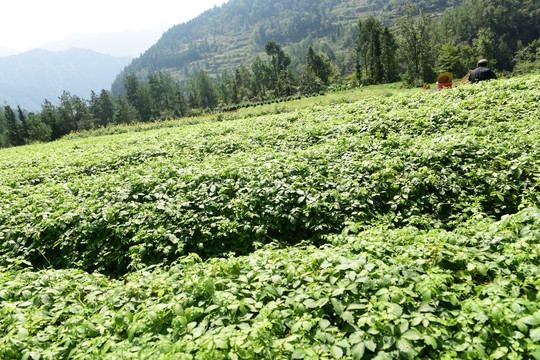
(391, 227)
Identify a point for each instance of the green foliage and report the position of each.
(310, 84)
(320, 65)
(527, 58)
(413, 220)
(451, 61)
(395, 294)
(496, 26)
(206, 91)
(484, 45)
(187, 74)
(376, 51)
(281, 75)
(13, 129)
(114, 204)
(368, 48)
(417, 45)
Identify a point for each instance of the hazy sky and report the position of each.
(26, 24)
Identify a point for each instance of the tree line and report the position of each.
(419, 45)
(160, 96)
(414, 49)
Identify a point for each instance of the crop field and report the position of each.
(389, 227)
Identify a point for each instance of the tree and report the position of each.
(417, 45)
(13, 133)
(73, 114)
(389, 55)
(192, 93)
(282, 77)
(242, 85)
(484, 45)
(225, 88)
(107, 107)
(166, 96)
(132, 86)
(37, 129)
(125, 113)
(3, 128)
(50, 117)
(368, 49)
(24, 124)
(376, 48)
(262, 73)
(140, 97)
(450, 60)
(319, 65)
(310, 84)
(102, 107)
(206, 91)
(527, 58)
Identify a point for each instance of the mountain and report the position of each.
(28, 79)
(225, 37)
(4, 51)
(125, 43)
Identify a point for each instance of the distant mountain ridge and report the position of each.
(225, 37)
(5, 51)
(28, 79)
(124, 43)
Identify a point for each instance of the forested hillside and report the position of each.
(224, 38)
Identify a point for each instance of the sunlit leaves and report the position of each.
(362, 297)
(114, 204)
(416, 216)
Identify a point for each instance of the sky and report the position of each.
(27, 24)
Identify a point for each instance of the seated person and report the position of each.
(445, 80)
(482, 72)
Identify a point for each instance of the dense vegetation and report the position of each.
(398, 42)
(471, 293)
(390, 227)
(224, 39)
(231, 186)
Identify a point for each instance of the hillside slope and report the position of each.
(225, 37)
(425, 160)
(394, 227)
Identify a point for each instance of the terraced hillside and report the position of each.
(224, 38)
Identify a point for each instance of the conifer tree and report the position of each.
(206, 91)
(389, 60)
(125, 113)
(262, 73)
(368, 48)
(375, 52)
(450, 60)
(24, 124)
(13, 132)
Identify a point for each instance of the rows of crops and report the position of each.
(242, 224)
(470, 293)
(115, 203)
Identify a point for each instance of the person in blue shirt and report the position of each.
(482, 72)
